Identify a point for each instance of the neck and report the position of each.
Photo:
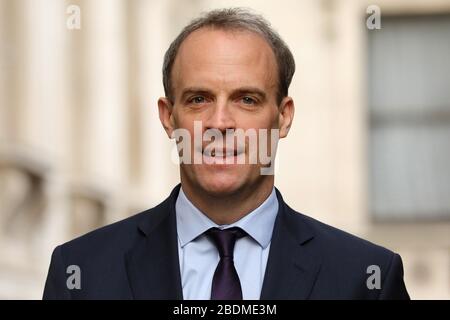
(229, 208)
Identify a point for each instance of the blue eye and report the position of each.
(248, 100)
(197, 100)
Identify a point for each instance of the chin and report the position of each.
(219, 188)
(218, 185)
(218, 181)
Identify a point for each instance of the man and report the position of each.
(225, 231)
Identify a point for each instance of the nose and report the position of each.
(220, 117)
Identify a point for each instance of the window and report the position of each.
(409, 103)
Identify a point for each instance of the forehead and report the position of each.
(224, 59)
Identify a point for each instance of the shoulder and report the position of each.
(114, 239)
(349, 264)
(340, 247)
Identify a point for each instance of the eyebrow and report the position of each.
(240, 91)
(251, 90)
(195, 90)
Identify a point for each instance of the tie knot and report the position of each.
(224, 239)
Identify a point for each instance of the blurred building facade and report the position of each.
(81, 145)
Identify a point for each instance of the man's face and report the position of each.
(225, 80)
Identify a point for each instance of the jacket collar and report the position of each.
(153, 266)
(293, 265)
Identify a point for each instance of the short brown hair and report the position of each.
(237, 19)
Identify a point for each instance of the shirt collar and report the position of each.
(258, 224)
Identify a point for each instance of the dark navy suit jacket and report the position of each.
(137, 258)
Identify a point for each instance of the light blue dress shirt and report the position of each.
(199, 257)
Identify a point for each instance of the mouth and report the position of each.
(224, 153)
(221, 156)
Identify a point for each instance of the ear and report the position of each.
(286, 115)
(165, 109)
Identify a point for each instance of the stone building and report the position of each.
(81, 145)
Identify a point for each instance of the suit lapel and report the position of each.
(292, 266)
(153, 264)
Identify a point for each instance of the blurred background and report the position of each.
(81, 145)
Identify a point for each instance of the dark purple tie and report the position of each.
(225, 284)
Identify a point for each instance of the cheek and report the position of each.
(267, 120)
(182, 120)
(186, 119)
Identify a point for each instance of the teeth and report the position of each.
(221, 154)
